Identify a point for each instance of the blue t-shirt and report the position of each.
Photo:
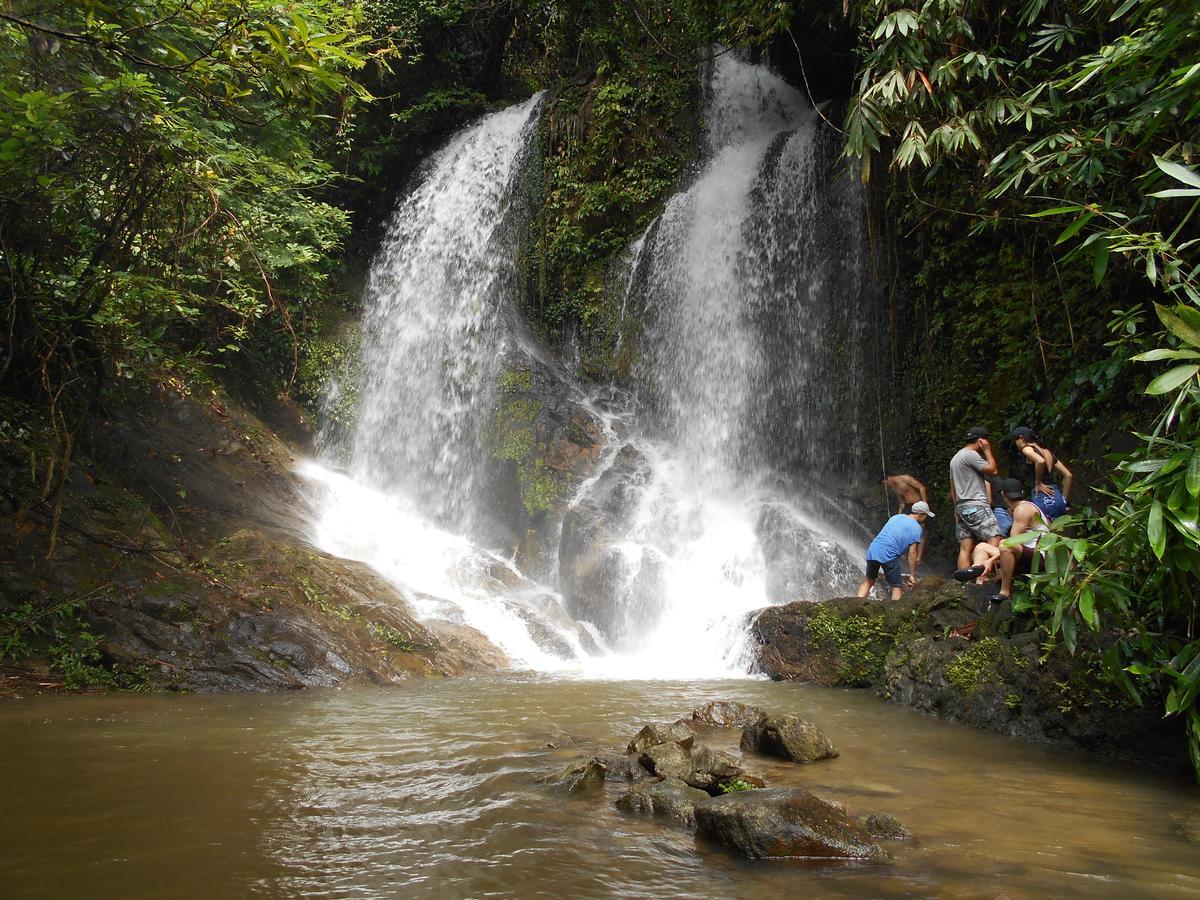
(900, 532)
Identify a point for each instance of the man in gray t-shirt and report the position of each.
(973, 516)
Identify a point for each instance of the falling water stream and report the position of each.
(740, 277)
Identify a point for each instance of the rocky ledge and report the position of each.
(946, 651)
(179, 559)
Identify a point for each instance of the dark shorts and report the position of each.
(1025, 559)
(975, 520)
(890, 569)
(1053, 506)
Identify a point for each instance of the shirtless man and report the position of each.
(910, 491)
(1026, 517)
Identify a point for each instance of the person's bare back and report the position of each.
(907, 488)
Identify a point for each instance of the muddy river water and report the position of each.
(430, 790)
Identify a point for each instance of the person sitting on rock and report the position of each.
(901, 533)
(999, 507)
(1026, 517)
(1042, 469)
(909, 490)
(974, 520)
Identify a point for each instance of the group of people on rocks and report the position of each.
(987, 509)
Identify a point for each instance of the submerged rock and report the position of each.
(781, 823)
(726, 713)
(670, 798)
(583, 774)
(886, 827)
(788, 737)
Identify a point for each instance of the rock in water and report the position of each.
(652, 735)
(670, 798)
(621, 768)
(788, 737)
(668, 761)
(710, 768)
(779, 823)
(886, 827)
(584, 774)
(726, 713)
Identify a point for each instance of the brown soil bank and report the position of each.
(1009, 677)
(181, 562)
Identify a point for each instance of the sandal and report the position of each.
(970, 574)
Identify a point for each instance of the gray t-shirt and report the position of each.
(966, 468)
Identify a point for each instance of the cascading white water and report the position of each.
(694, 517)
(747, 278)
(435, 320)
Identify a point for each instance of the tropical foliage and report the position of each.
(1083, 113)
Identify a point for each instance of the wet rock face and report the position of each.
(800, 564)
(581, 776)
(909, 653)
(670, 799)
(781, 823)
(788, 737)
(652, 735)
(726, 713)
(189, 539)
(886, 827)
(601, 582)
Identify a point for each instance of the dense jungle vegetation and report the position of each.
(190, 190)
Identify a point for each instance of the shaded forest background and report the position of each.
(191, 190)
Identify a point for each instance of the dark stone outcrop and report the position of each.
(726, 713)
(651, 735)
(886, 827)
(183, 539)
(788, 737)
(1006, 676)
(779, 823)
(579, 776)
(668, 761)
(670, 798)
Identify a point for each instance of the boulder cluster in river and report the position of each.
(681, 781)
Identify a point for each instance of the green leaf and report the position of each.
(1100, 263)
(1178, 172)
(1087, 607)
(1193, 475)
(1163, 353)
(1171, 379)
(1155, 531)
(1181, 323)
(1073, 229)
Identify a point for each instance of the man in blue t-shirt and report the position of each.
(901, 533)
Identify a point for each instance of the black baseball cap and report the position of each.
(1012, 488)
(1023, 432)
(974, 434)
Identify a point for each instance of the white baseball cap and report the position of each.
(922, 507)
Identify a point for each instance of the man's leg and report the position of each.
(965, 548)
(864, 589)
(897, 593)
(1008, 566)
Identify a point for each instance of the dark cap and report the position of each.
(1012, 489)
(1023, 432)
(974, 434)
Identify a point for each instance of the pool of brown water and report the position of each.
(430, 790)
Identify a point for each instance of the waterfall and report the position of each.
(716, 489)
(435, 321)
(756, 295)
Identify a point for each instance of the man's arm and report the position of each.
(989, 467)
(913, 551)
(1022, 519)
